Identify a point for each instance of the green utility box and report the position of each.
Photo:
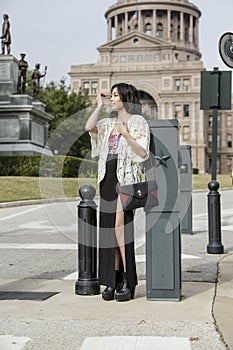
(185, 197)
(163, 243)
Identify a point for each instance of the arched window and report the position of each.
(159, 31)
(171, 32)
(149, 106)
(178, 33)
(148, 29)
(132, 26)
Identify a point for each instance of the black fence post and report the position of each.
(214, 246)
(87, 283)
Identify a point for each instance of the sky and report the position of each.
(58, 33)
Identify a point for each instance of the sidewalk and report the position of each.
(223, 302)
(65, 320)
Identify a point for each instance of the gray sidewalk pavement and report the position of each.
(223, 300)
(201, 320)
(203, 317)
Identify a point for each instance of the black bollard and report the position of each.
(214, 217)
(87, 283)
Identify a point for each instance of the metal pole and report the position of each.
(87, 283)
(214, 207)
(214, 145)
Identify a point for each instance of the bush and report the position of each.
(37, 165)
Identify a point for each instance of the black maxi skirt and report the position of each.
(107, 238)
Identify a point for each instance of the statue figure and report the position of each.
(36, 76)
(22, 74)
(6, 36)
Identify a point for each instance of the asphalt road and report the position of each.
(40, 241)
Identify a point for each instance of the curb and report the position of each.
(73, 199)
(37, 201)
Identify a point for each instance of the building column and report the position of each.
(170, 111)
(222, 130)
(162, 111)
(181, 26)
(191, 29)
(109, 29)
(193, 124)
(126, 22)
(140, 21)
(197, 33)
(168, 24)
(116, 26)
(154, 24)
(201, 138)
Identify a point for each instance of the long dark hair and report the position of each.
(129, 96)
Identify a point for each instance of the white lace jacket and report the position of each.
(129, 164)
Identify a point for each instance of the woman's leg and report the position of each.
(123, 292)
(117, 259)
(119, 232)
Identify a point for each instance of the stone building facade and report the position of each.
(154, 45)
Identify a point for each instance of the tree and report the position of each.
(70, 112)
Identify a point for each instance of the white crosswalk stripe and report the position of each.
(136, 343)
(10, 342)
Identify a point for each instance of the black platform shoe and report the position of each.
(123, 292)
(108, 293)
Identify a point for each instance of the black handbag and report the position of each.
(139, 195)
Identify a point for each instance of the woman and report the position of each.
(122, 144)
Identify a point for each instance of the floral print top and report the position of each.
(129, 164)
(113, 143)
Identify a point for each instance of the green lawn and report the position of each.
(15, 188)
(201, 181)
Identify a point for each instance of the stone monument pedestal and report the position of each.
(23, 122)
(8, 76)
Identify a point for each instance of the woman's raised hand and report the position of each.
(99, 99)
(92, 120)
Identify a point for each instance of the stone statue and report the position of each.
(36, 76)
(6, 36)
(22, 74)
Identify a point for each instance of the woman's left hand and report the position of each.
(122, 128)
